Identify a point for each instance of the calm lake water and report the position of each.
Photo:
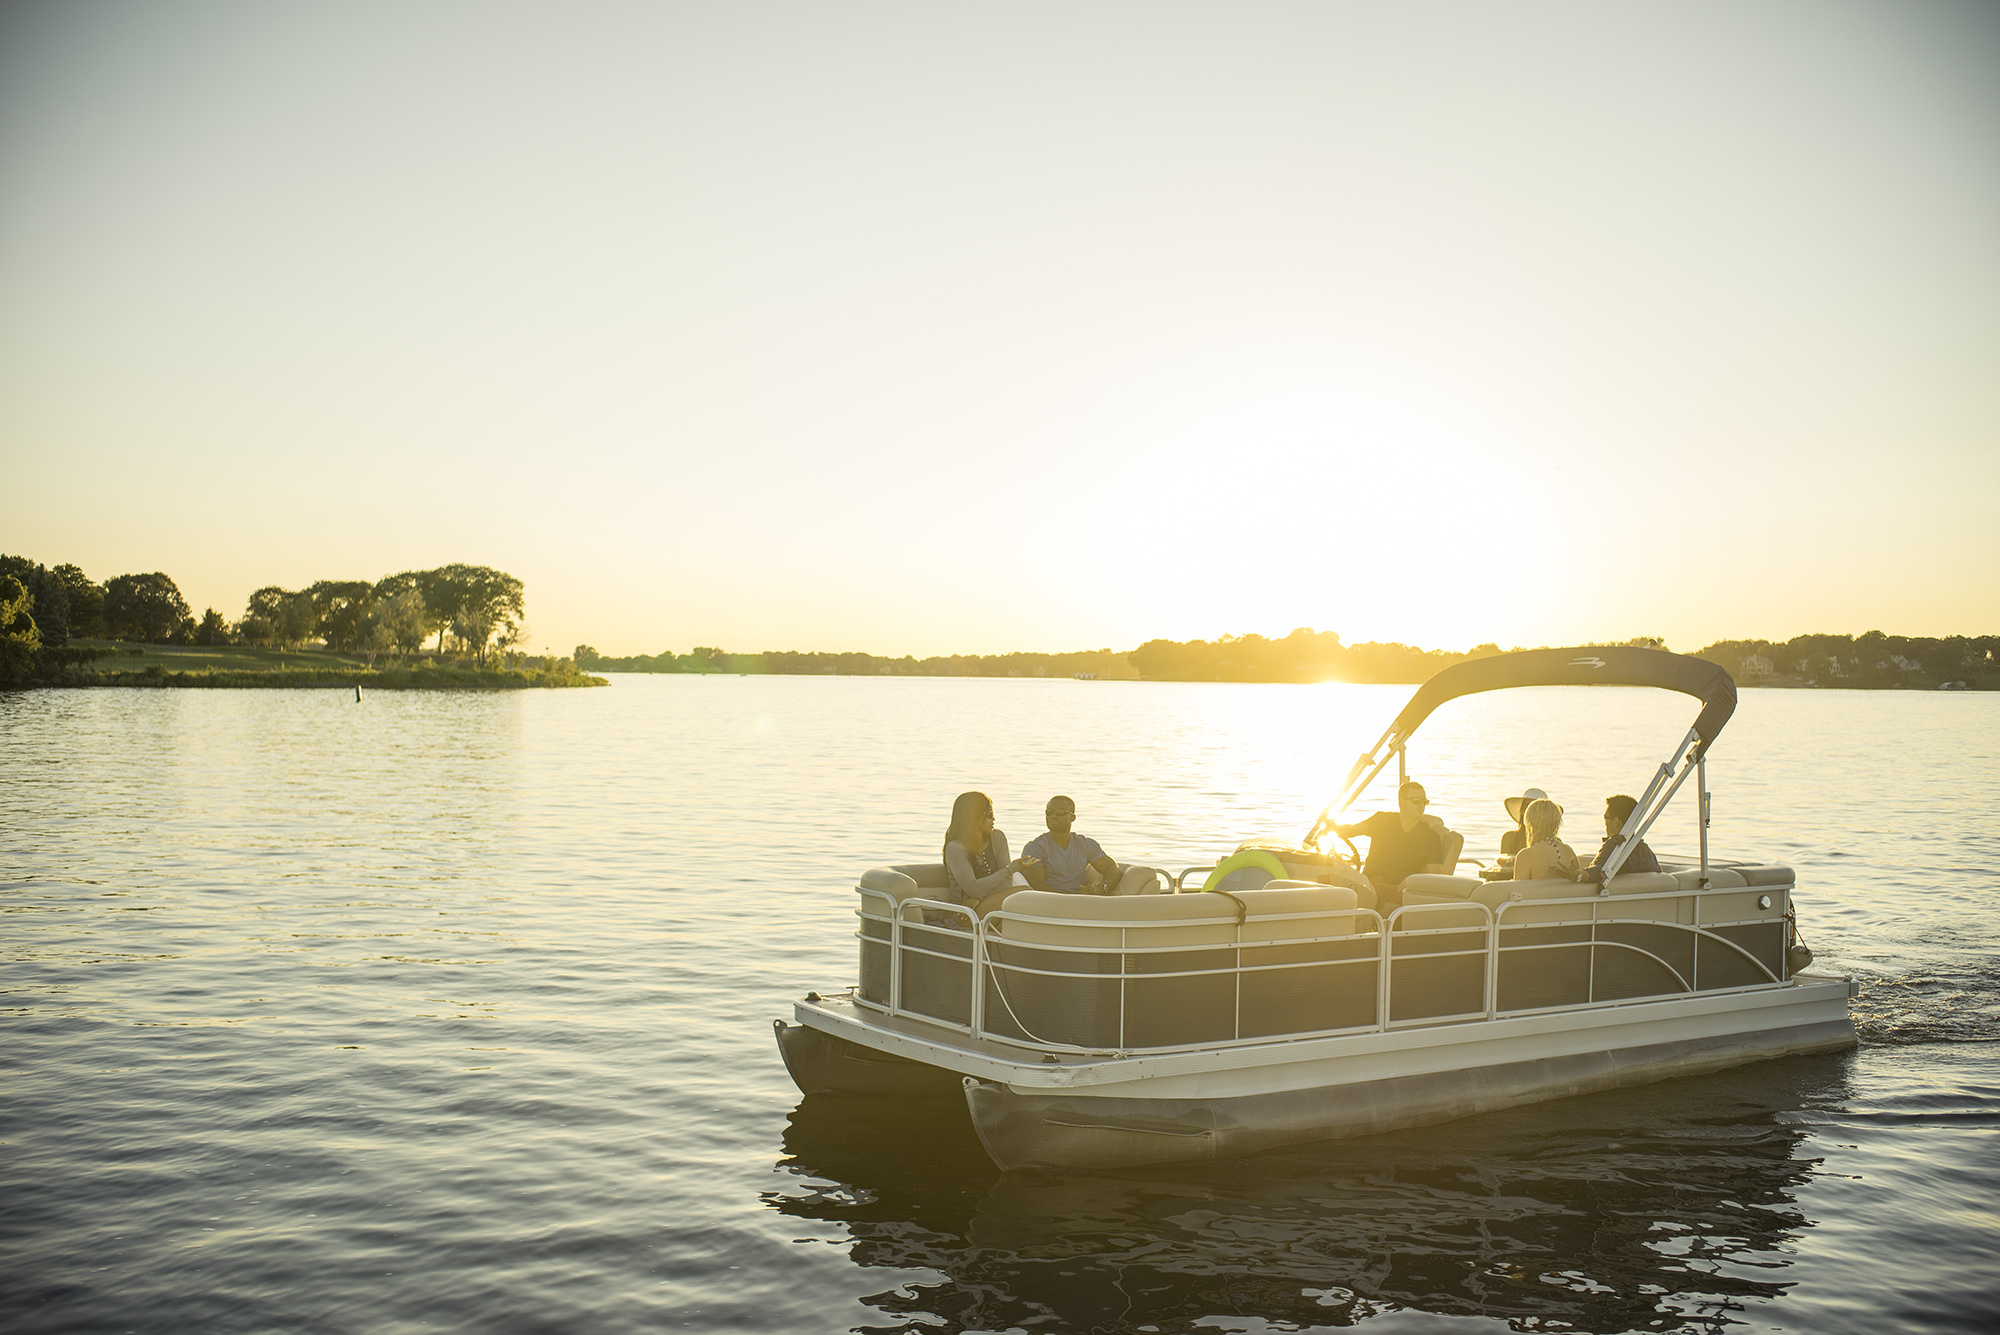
(453, 1012)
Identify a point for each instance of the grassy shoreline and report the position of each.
(387, 679)
(246, 667)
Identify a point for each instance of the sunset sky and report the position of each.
(941, 327)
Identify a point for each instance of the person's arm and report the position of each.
(958, 870)
(1033, 869)
(1108, 869)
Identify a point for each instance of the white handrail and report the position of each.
(1493, 923)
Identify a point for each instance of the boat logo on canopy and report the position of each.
(1586, 662)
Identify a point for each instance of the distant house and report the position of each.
(1906, 664)
(1756, 668)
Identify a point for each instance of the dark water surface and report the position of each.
(452, 1012)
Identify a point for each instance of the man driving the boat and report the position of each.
(1400, 843)
(1065, 857)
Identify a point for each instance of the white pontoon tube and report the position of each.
(1611, 666)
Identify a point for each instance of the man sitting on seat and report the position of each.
(1400, 844)
(1617, 810)
(1066, 857)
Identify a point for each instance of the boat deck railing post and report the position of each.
(1124, 940)
(1384, 964)
(977, 1009)
(895, 958)
(1492, 989)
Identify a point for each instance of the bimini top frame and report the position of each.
(1611, 666)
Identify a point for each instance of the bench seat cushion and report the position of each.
(1204, 918)
(915, 880)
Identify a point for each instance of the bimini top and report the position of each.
(1697, 677)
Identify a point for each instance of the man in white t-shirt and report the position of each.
(1065, 855)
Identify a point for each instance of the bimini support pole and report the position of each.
(1370, 763)
(1701, 806)
(1658, 793)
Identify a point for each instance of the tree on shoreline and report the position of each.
(340, 611)
(400, 620)
(279, 618)
(145, 607)
(213, 629)
(477, 602)
(48, 597)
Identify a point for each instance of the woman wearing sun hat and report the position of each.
(1516, 839)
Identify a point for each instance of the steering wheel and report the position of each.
(1325, 826)
(1352, 851)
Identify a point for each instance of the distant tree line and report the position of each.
(1871, 660)
(1308, 655)
(477, 609)
(793, 663)
(1304, 655)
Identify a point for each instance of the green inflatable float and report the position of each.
(1249, 857)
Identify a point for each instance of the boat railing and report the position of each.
(1162, 985)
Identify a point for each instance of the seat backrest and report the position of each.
(1107, 922)
(1428, 888)
(1649, 883)
(1136, 880)
(1454, 844)
(1719, 878)
(915, 880)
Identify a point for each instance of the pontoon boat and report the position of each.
(1266, 1001)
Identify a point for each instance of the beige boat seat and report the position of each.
(1719, 878)
(915, 880)
(1643, 883)
(1428, 890)
(928, 880)
(1201, 918)
(1132, 880)
(1454, 847)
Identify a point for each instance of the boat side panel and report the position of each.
(1078, 1130)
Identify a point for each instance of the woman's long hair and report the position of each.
(1543, 819)
(967, 808)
